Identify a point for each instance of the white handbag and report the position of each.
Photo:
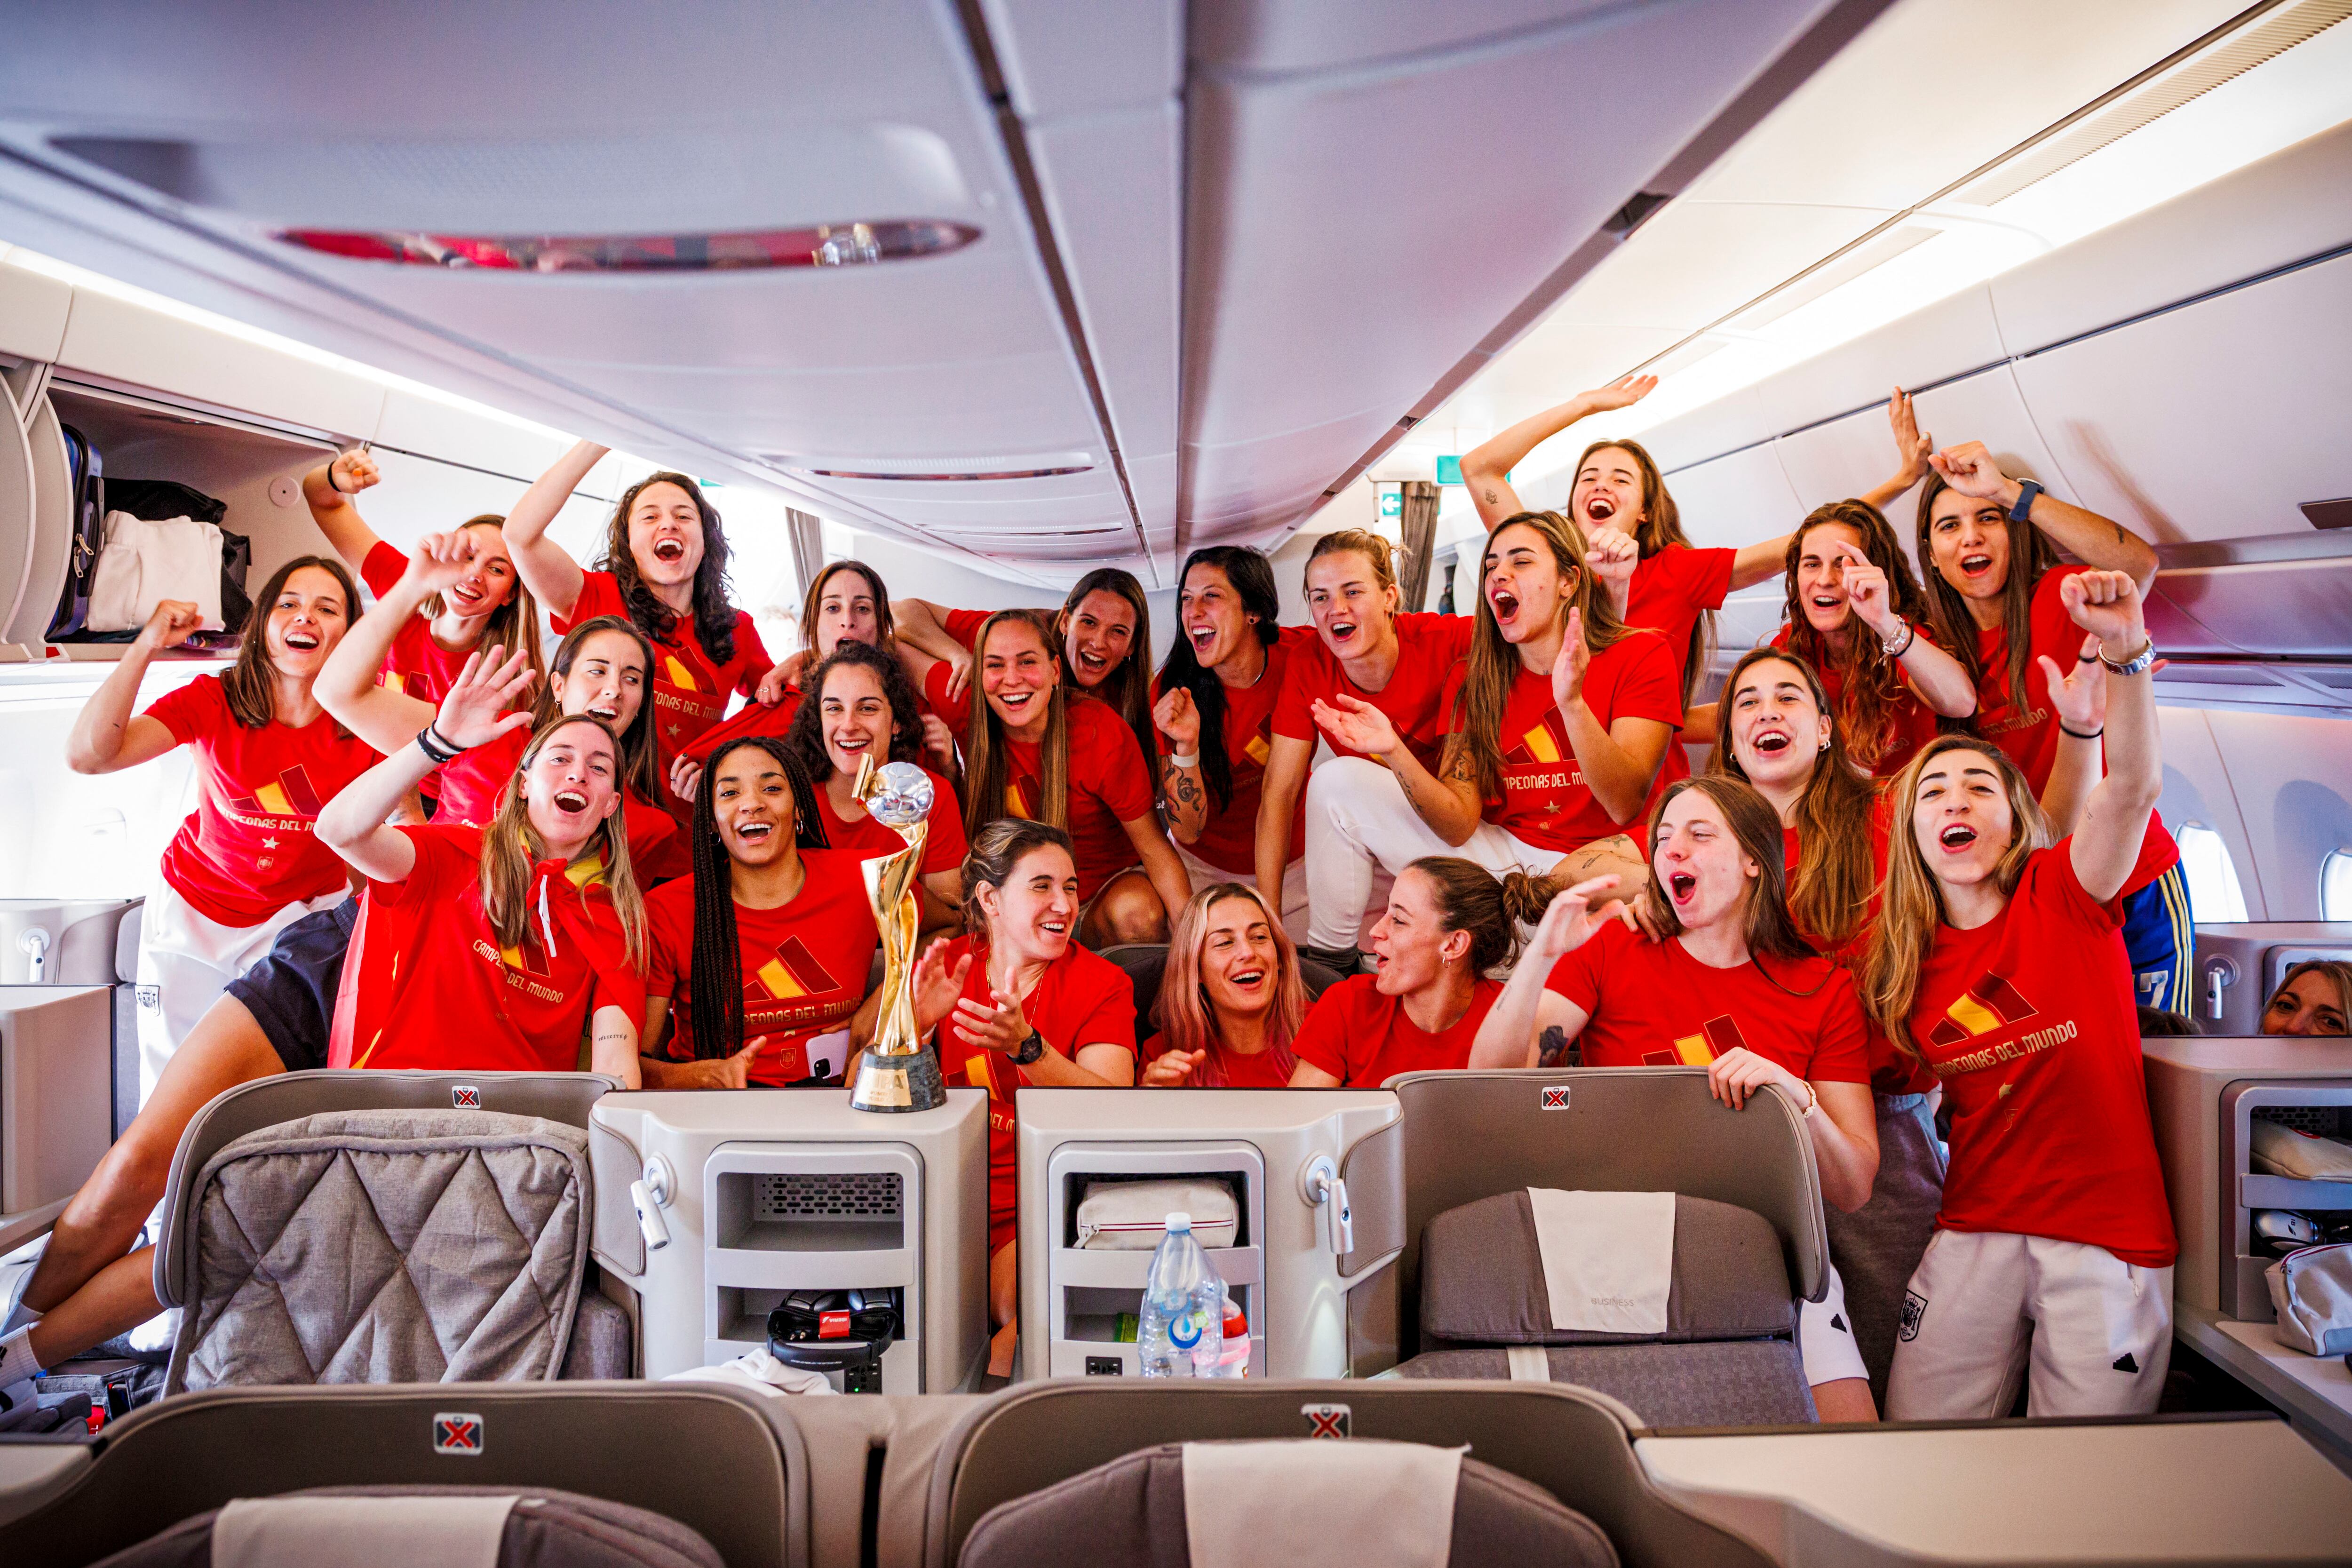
(142, 564)
(2313, 1292)
(1132, 1217)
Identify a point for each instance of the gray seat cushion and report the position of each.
(1130, 1513)
(1741, 1383)
(1482, 1278)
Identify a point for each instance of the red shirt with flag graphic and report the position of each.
(1227, 1069)
(1651, 1004)
(1418, 698)
(1081, 1000)
(1228, 838)
(689, 692)
(1669, 592)
(1109, 785)
(943, 846)
(466, 788)
(1363, 1038)
(964, 625)
(1545, 802)
(247, 850)
(659, 848)
(804, 967)
(430, 986)
(2030, 1022)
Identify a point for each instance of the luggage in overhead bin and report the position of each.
(142, 563)
(88, 476)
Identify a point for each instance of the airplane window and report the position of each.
(2334, 886)
(2213, 890)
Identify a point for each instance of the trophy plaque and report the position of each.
(896, 1073)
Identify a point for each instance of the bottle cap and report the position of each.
(1178, 1221)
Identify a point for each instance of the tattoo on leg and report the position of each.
(1553, 1050)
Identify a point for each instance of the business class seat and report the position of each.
(620, 1474)
(1146, 963)
(1469, 1291)
(341, 1226)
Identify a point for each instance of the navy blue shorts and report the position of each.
(290, 992)
(2162, 940)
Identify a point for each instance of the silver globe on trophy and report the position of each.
(896, 1073)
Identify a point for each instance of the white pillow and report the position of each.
(1132, 1217)
(2307, 1157)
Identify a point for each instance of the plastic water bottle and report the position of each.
(1233, 1360)
(1181, 1330)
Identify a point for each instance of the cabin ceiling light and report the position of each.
(996, 474)
(825, 244)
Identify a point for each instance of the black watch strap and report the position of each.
(2023, 511)
(1029, 1050)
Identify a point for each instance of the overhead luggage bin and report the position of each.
(1289, 1263)
(746, 1196)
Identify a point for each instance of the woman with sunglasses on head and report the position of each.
(1214, 703)
(1446, 924)
(1016, 1001)
(1103, 629)
(1036, 750)
(770, 939)
(1231, 999)
(1996, 589)
(1996, 960)
(246, 862)
(1365, 653)
(664, 571)
(1560, 718)
(862, 707)
(1732, 986)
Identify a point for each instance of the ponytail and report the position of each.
(1470, 899)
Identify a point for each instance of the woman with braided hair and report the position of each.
(772, 938)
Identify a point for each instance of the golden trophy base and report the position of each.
(907, 1081)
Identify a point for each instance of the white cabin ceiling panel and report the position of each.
(1297, 241)
(1551, 364)
(112, 338)
(1280, 36)
(1948, 338)
(2288, 773)
(33, 310)
(1844, 458)
(1698, 261)
(1710, 430)
(2130, 414)
(413, 424)
(1736, 500)
(1082, 57)
(2291, 206)
(1988, 408)
(2296, 607)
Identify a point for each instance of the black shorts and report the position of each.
(290, 992)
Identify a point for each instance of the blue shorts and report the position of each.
(291, 990)
(2162, 940)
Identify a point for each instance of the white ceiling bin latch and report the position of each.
(35, 946)
(1321, 1184)
(651, 1194)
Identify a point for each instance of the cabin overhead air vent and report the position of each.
(1029, 465)
(1635, 213)
(826, 244)
(2329, 513)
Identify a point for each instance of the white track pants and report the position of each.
(1359, 825)
(1986, 1306)
(1294, 886)
(185, 959)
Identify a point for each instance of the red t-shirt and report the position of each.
(1228, 838)
(2030, 1022)
(943, 848)
(1417, 698)
(1081, 1000)
(248, 849)
(1363, 1038)
(1225, 1068)
(1891, 1071)
(1652, 1004)
(964, 625)
(803, 966)
(1109, 785)
(659, 848)
(689, 692)
(1669, 592)
(466, 789)
(452, 998)
(1546, 800)
(1911, 723)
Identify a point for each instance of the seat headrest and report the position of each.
(1482, 1278)
(1300, 1503)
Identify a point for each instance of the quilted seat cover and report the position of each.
(386, 1246)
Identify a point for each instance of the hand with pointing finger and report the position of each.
(1172, 1069)
(1867, 591)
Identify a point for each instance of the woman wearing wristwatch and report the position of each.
(1732, 987)
(1997, 961)
(1020, 1002)
(1996, 594)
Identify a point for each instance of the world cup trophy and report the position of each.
(896, 1073)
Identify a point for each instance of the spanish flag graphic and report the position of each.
(1015, 803)
(1715, 1037)
(1257, 750)
(792, 974)
(289, 795)
(1990, 1004)
(680, 678)
(978, 1073)
(529, 958)
(1547, 742)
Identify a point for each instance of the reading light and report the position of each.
(826, 244)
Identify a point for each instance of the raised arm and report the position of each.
(1485, 466)
(1618, 759)
(1933, 674)
(2096, 541)
(2106, 845)
(1911, 446)
(547, 568)
(1531, 1025)
(1160, 864)
(107, 737)
(1277, 803)
(2078, 696)
(346, 687)
(1183, 793)
(328, 489)
(924, 623)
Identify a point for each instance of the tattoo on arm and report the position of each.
(1552, 1049)
(1492, 495)
(2119, 533)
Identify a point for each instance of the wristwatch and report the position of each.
(2026, 490)
(1028, 1050)
(2136, 665)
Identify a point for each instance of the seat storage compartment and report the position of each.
(2309, 1105)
